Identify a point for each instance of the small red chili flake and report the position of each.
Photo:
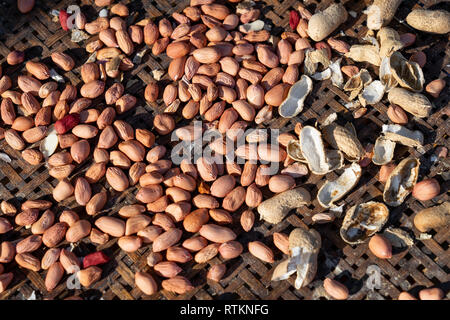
(67, 123)
(94, 259)
(294, 19)
(63, 16)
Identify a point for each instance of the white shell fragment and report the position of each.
(398, 238)
(332, 117)
(92, 57)
(304, 246)
(332, 191)
(173, 107)
(352, 105)
(293, 104)
(319, 161)
(256, 25)
(284, 270)
(407, 73)
(5, 157)
(312, 60)
(386, 76)
(370, 38)
(402, 135)
(157, 74)
(294, 151)
(337, 78)
(362, 221)
(401, 181)
(79, 35)
(334, 72)
(49, 143)
(389, 40)
(383, 151)
(103, 13)
(324, 75)
(56, 76)
(372, 94)
(138, 57)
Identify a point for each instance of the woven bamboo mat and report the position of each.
(424, 264)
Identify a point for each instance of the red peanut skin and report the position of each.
(94, 259)
(67, 123)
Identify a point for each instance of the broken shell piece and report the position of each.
(412, 102)
(49, 143)
(56, 76)
(383, 151)
(256, 25)
(402, 135)
(79, 35)
(407, 73)
(337, 78)
(372, 94)
(313, 58)
(103, 13)
(5, 157)
(324, 75)
(333, 191)
(364, 53)
(386, 76)
(335, 159)
(173, 107)
(312, 149)
(293, 104)
(370, 38)
(332, 117)
(401, 182)
(322, 218)
(157, 74)
(356, 83)
(92, 57)
(304, 246)
(433, 218)
(398, 238)
(244, 6)
(295, 170)
(343, 139)
(362, 221)
(283, 271)
(138, 57)
(389, 40)
(294, 151)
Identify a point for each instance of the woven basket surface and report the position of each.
(424, 264)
